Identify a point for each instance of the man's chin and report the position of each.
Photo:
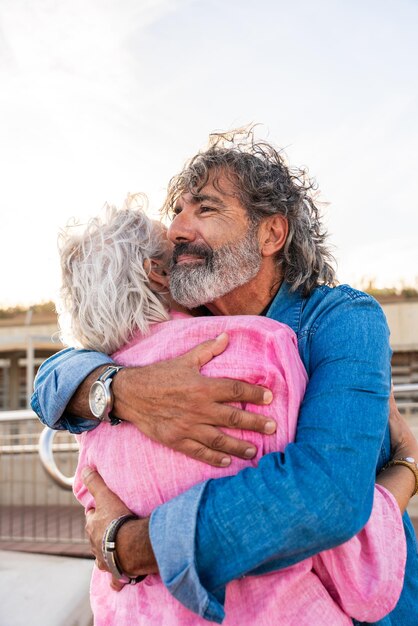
(187, 296)
(197, 295)
(189, 262)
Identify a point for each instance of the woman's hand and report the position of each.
(397, 479)
(402, 439)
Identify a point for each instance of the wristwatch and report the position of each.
(101, 396)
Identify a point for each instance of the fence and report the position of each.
(36, 514)
(40, 513)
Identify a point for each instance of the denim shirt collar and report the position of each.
(287, 307)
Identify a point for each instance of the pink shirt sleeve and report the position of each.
(365, 575)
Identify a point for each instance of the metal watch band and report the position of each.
(109, 549)
(110, 372)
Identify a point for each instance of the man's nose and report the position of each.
(181, 229)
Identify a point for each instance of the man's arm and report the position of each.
(56, 383)
(170, 401)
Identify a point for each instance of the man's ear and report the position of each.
(157, 273)
(272, 234)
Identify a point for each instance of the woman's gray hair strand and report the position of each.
(105, 293)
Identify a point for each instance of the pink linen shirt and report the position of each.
(362, 578)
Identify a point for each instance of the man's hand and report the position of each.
(172, 403)
(133, 547)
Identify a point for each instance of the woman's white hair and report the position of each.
(105, 294)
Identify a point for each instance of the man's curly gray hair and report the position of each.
(105, 292)
(265, 185)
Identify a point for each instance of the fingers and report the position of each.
(232, 417)
(116, 585)
(403, 441)
(215, 447)
(231, 390)
(392, 405)
(93, 481)
(97, 486)
(199, 452)
(218, 441)
(397, 431)
(90, 512)
(204, 352)
(99, 563)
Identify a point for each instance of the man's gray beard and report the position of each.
(222, 271)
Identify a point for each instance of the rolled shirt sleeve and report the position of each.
(178, 572)
(55, 384)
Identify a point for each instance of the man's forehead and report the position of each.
(217, 190)
(196, 198)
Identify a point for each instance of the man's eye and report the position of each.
(206, 209)
(176, 210)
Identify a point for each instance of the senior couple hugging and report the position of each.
(236, 463)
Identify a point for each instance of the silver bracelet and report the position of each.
(109, 549)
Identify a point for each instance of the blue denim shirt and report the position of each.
(315, 495)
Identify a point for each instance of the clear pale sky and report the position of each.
(99, 98)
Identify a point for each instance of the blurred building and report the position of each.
(26, 340)
(402, 316)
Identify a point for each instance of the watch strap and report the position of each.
(108, 374)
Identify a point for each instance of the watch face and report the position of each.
(98, 399)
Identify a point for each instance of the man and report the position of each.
(242, 202)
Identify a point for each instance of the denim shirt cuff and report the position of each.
(56, 383)
(172, 533)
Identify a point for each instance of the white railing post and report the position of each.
(30, 365)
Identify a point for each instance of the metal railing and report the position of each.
(407, 402)
(47, 451)
(47, 446)
(38, 509)
(35, 513)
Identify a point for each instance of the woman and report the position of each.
(115, 292)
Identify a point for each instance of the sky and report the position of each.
(106, 97)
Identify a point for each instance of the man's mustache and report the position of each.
(195, 249)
